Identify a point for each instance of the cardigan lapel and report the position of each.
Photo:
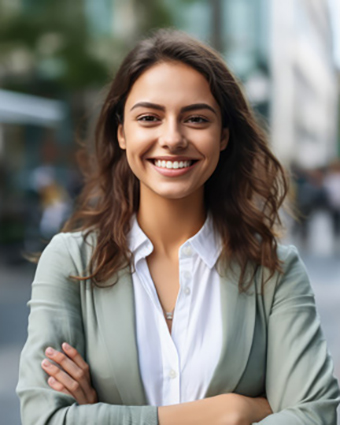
(238, 315)
(120, 337)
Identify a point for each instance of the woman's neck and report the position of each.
(168, 223)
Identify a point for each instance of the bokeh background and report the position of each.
(56, 59)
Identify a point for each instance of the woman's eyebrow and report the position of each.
(188, 108)
(196, 106)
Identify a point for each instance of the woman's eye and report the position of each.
(197, 120)
(148, 118)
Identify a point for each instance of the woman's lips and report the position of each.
(173, 172)
(172, 164)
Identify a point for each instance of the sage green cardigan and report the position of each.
(272, 344)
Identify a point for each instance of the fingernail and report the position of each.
(49, 351)
(66, 346)
(51, 380)
(46, 363)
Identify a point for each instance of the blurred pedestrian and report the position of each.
(332, 186)
(54, 200)
(310, 196)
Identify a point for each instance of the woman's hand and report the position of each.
(71, 376)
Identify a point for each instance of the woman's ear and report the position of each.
(224, 138)
(121, 137)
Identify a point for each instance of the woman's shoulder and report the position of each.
(284, 289)
(286, 253)
(74, 241)
(293, 277)
(289, 258)
(70, 248)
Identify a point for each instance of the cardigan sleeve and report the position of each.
(55, 317)
(300, 385)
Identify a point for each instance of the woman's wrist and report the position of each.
(259, 408)
(201, 412)
(247, 410)
(224, 409)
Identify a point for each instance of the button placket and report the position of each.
(171, 366)
(180, 326)
(187, 290)
(187, 250)
(172, 374)
(187, 275)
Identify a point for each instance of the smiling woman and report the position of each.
(167, 298)
(171, 116)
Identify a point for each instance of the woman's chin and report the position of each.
(172, 194)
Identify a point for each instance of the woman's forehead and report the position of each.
(171, 82)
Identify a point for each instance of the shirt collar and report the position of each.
(206, 243)
(139, 244)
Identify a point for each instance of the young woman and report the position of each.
(166, 299)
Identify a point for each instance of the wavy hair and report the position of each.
(243, 194)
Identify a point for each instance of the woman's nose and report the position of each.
(172, 136)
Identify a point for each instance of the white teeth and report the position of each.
(172, 165)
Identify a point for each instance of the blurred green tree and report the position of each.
(47, 46)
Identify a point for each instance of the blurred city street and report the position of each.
(324, 271)
(56, 60)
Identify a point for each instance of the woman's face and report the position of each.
(172, 130)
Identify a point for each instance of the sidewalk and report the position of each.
(15, 289)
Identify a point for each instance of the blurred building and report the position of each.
(283, 53)
(304, 78)
(239, 29)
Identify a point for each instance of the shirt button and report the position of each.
(187, 275)
(187, 291)
(187, 250)
(172, 374)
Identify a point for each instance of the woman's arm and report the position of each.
(300, 384)
(72, 377)
(56, 317)
(225, 409)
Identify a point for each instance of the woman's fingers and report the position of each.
(53, 383)
(76, 357)
(79, 374)
(72, 386)
(78, 378)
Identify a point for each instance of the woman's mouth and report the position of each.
(173, 168)
(172, 165)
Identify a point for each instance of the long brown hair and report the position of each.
(243, 194)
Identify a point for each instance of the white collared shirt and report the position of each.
(178, 368)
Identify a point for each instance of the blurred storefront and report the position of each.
(31, 133)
